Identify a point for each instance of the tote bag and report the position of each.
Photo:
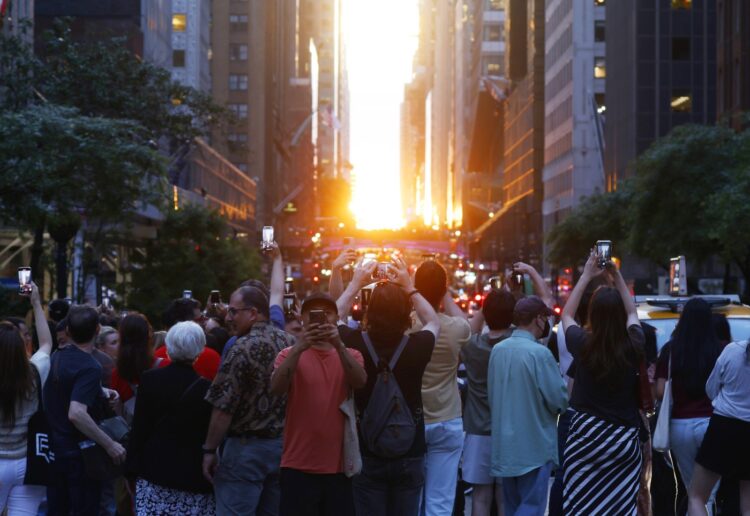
(661, 432)
(39, 456)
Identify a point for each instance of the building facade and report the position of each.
(13, 17)
(733, 61)
(664, 75)
(575, 71)
(191, 43)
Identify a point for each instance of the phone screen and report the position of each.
(289, 304)
(24, 279)
(318, 317)
(604, 250)
(215, 296)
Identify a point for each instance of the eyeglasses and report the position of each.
(233, 311)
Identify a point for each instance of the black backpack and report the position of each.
(387, 424)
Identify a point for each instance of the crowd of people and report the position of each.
(257, 407)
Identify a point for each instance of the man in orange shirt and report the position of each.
(317, 373)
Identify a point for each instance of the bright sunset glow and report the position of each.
(381, 38)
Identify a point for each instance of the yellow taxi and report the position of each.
(663, 312)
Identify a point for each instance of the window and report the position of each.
(495, 5)
(178, 58)
(682, 4)
(179, 22)
(492, 65)
(682, 101)
(237, 52)
(238, 82)
(493, 32)
(600, 68)
(680, 49)
(237, 137)
(237, 22)
(239, 110)
(599, 31)
(600, 99)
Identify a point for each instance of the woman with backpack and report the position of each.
(21, 381)
(391, 435)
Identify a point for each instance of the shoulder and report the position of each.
(458, 326)
(574, 333)
(422, 338)
(636, 334)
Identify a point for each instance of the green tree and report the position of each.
(194, 250)
(599, 217)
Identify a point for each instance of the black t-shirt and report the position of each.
(74, 376)
(408, 373)
(618, 404)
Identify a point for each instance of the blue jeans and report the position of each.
(445, 441)
(527, 495)
(685, 438)
(247, 479)
(556, 493)
(389, 487)
(71, 491)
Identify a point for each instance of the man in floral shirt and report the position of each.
(246, 477)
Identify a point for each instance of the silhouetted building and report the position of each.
(661, 73)
(733, 63)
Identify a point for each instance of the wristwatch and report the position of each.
(208, 451)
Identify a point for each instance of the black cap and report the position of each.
(58, 309)
(320, 298)
(529, 307)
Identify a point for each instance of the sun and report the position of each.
(380, 39)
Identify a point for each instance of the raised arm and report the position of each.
(425, 312)
(361, 278)
(541, 288)
(451, 308)
(590, 270)
(477, 322)
(627, 298)
(276, 294)
(336, 283)
(40, 321)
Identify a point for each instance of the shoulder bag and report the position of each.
(352, 456)
(661, 432)
(39, 455)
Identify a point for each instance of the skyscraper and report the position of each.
(733, 44)
(191, 43)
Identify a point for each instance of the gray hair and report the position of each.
(185, 341)
(101, 338)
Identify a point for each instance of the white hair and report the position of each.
(185, 341)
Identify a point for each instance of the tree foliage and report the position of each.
(193, 251)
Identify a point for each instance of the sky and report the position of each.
(381, 38)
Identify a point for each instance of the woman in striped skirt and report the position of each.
(602, 459)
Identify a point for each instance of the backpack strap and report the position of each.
(371, 349)
(376, 358)
(397, 353)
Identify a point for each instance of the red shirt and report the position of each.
(122, 386)
(207, 364)
(314, 429)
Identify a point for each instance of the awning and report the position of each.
(477, 235)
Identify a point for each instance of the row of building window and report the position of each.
(238, 109)
(493, 32)
(559, 185)
(238, 82)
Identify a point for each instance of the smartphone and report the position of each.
(382, 271)
(604, 250)
(318, 317)
(288, 304)
(267, 238)
(215, 297)
(496, 282)
(289, 286)
(187, 294)
(24, 280)
(516, 279)
(106, 303)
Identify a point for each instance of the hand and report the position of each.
(113, 398)
(33, 294)
(116, 452)
(523, 267)
(330, 333)
(402, 277)
(275, 251)
(363, 274)
(347, 256)
(306, 338)
(592, 268)
(210, 463)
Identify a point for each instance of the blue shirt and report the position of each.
(276, 316)
(526, 394)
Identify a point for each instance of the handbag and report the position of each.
(39, 455)
(352, 456)
(661, 432)
(96, 461)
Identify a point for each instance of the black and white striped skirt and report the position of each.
(602, 463)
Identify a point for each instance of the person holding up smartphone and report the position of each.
(317, 374)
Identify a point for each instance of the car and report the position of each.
(663, 312)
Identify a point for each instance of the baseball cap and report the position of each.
(319, 298)
(529, 307)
